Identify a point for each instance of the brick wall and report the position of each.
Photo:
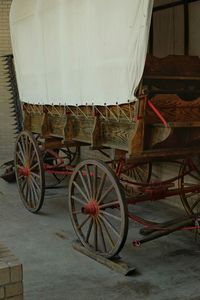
(11, 276)
(6, 130)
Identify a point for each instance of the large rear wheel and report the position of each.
(189, 185)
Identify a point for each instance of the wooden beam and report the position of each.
(151, 37)
(173, 4)
(186, 27)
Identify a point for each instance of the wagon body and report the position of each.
(163, 123)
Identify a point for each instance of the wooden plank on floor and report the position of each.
(116, 264)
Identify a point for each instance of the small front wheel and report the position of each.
(97, 208)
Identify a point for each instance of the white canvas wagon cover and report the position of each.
(79, 51)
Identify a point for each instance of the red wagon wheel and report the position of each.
(140, 173)
(190, 179)
(29, 171)
(97, 208)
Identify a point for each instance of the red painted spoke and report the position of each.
(80, 191)
(84, 184)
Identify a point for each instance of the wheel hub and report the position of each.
(91, 208)
(24, 171)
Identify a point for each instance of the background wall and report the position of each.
(168, 24)
(6, 131)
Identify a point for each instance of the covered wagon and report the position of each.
(85, 79)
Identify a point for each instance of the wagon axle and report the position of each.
(91, 208)
(24, 171)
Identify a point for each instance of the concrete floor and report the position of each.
(167, 268)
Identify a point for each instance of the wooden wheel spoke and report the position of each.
(89, 230)
(26, 145)
(35, 196)
(20, 157)
(84, 184)
(95, 182)
(89, 180)
(102, 182)
(102, 236)
(29, 150)
(23, 185)
(107, 233)
(109, 224)
(192, 194)
(106, 193)
(141, 170)
(110, 215)
(32, 156)
(36, 184)
(109, 204)
(35, 174)
(32, 200)
(138, 175)
(78, 200)
(193, 176)
(34, 166)
(84, 222)
(95, 235)
(23, 145)
(195, 204)
(80, 191)
(21, 152)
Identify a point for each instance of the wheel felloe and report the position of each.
(29, 171)
(190, 179)
(97, 208)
